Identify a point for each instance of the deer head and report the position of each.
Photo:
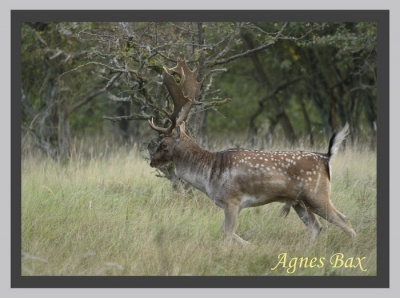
(166, 149)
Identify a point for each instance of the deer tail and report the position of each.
(336, 140)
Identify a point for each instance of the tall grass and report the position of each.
(106, 213)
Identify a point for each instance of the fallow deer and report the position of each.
(237, 178)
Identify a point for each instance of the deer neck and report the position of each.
(193, 163)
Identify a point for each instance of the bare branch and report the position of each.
(59, 52)
(215, 103)
(219, 70)
(251, 51)
(211, 92)
(234, 57)
(112, 81)
(112, 69)
(40, 38)
(231, 39)
(85, 101)
(142, 116)
(116, 98)
(98, 92)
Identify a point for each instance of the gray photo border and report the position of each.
(379, 281)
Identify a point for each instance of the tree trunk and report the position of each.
(307, 120)
(123, 109)
(196, 119)
(64, 142)
(273, 100)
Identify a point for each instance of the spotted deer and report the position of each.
(238, 178)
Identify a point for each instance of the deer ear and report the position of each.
(179, 129)
(182, 126)
(176, 133)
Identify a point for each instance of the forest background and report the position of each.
(262, 81)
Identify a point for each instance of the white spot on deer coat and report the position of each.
(281, 183)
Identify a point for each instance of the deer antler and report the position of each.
(183, 94)
(192, 86)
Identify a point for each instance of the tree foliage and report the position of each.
(319, 75)
(260, 79)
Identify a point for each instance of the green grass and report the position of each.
(108, 214)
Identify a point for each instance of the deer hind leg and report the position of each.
(309, 219)
(329, 212)
(229, 224)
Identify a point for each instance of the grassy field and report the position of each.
(106, 213)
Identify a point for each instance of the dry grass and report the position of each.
(106, 213)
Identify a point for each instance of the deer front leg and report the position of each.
(229, 224)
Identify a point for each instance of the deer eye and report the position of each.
(164, 146)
